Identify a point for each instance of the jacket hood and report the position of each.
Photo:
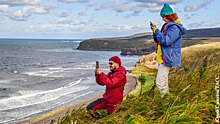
(121, 68)
(179, 25)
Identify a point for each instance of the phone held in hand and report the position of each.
(151, 24)
(97, 64)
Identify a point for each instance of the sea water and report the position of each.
(41, 75)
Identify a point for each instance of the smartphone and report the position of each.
(97, 64)
(151, 24)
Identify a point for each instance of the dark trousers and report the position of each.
(98, 104)
(93, 104)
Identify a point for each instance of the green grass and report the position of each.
(149, 83)
(192, 95)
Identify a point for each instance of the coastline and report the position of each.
(130, 87)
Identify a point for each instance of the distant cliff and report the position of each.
(133, 41)
(141, 44)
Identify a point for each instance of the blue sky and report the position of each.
(83, 19)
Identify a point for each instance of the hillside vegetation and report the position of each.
(192, 95)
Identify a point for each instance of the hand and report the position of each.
(98, 70)
(153, 27)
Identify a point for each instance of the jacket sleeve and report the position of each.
(114, 82)
(168, 38)
(98, 80)
(155, 37)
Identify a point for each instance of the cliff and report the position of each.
(116, 43)
(142, 44)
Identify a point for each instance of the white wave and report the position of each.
(56, 50)
(77, 41)
(22, 116)
(78, 68)
(52, 72)
(39, 97)
(4, 81)
(67, 41)
(73, 83)
(47, 73)
(57, 71)
(55, 68)
(90, 78)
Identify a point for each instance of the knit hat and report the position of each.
(115, 59)
(166, 10)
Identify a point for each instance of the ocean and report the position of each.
(41, 75)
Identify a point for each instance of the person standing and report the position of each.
(168, 41)
(114, 82)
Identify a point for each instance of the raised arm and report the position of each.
(115, 81)
(168, 38)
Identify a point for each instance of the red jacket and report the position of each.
(115, 82)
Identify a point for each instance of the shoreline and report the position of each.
(131, 86)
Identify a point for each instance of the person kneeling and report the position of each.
(114, 82)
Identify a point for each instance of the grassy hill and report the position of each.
(192, 95)
(141, 44)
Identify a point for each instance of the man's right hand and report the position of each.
(98, 70)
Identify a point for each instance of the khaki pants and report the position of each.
(162, 79)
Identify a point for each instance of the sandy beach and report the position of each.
(130, 86)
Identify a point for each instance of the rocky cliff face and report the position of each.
(149, 61)
(138, 51)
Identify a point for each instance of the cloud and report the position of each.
(123, 7)
(196, 25)
(213, 24)
(5, 8)
(82, 13)
(123, 28)
(104, 5)
(65, 13)
(65, 21)
(24, 13)
(194, 7)
(72, 22)
(74, 1)
(115, 5)
(27, 11)
(90, 4)
(20, 2)
(153, 7)
(51, 28)
(136, 6)
(49, 6)
(2, 20)
(190, 8)
(159, 1)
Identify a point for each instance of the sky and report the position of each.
(84, 19)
